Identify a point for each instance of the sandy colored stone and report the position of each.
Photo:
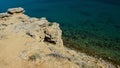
(15, 10)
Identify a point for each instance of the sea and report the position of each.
(90, 26)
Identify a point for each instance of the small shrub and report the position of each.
(32, 57)
(57, 55)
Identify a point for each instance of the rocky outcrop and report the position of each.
(39, 29)
(29, 42)
(53, 34)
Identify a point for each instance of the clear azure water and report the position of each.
(95, 24)
(74, 13)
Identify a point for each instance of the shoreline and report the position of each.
(90, 53)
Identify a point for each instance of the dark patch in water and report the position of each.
(40, 10)
(112, 2)
(79, 10)
(85, 13)
(51, 1)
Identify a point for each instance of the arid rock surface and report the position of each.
(29, 42)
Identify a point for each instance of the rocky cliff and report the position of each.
(29, 42)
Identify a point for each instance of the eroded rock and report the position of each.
(53, 34)
(15, 10)
(3, 15)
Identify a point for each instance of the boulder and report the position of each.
(15, 10)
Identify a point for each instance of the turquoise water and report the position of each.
(78, 13)
(89, 25)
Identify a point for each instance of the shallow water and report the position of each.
(90, 24)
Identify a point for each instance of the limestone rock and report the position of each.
(15, 10)
(3, 15)
(53, 34)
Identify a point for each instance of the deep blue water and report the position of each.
(106, 13)
(94, 19)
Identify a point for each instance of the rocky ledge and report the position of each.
(29, 42)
